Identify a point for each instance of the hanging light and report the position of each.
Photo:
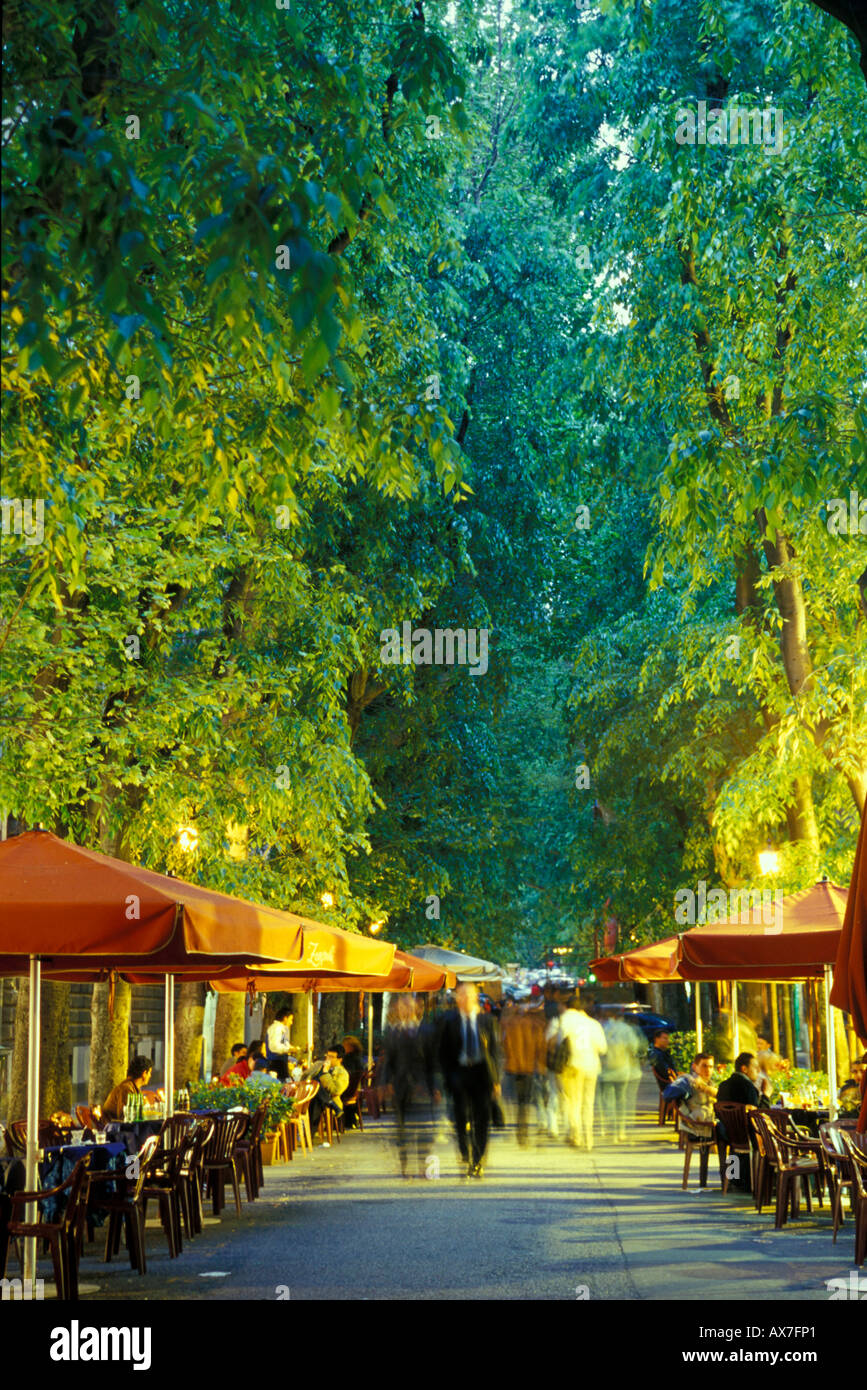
(188, 839)
(769, 860)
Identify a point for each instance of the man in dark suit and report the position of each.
(742, 1087)
(469, 1058)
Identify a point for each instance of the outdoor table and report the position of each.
(59, 1163)
(807, 1119)
(131, 1134)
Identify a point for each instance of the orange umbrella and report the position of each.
(408, 973)
(60, 900)
(654, 962)
(850, 969)
(797, 946)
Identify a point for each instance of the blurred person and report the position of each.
(236, 1050)
(586, 1046)
(408, 1075)
(242, 1067)
(524, 1058)
(552, 1090)
(746, 1086)
(333, 1080)
(259, 1074)
(353, 1061)
(619, 1078)
(696, 1111)
(278, 1048)
(664, 1065)
(468, 1055)
(137, 1077)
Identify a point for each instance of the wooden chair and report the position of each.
(48, 1136)
(797, 1160)
(192, 1172)
(856, 1147)
(330, 1126)
(692, 1144)
(125, 1208)
(299, 1120)
(88, 1119)
(165, 1186)
(667, 1108)
(733, 1137)
(352, 1102)
(248, 1149)
(61, 1236)
(218, 1160)
(839, 1168)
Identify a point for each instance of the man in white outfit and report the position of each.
(578, 1078)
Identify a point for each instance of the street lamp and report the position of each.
(377, 926)
(188, 839)
(769, 860)
(327, 900)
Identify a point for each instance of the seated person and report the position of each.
(238, 1050)
(333, 1080)
(661, 1059)
(353, 1061)
(743, 1086)
(260, 1073)
(697, 1118)
(240, 1067)
(138, 1075)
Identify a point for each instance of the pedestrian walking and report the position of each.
(408, 1075)
(469, 1060)
(619, 1078)
(524, 1059)
(585, 1046)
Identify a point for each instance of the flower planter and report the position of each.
(270, 1143)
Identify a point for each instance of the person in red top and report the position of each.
(240, 1067)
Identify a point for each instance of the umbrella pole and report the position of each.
(698, 1032)
(169, 1034)
(32, 1113)
(736, 1029)
(370, 1034)
(309, 1028)
(832, 1048)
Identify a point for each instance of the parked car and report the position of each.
(648, 1022)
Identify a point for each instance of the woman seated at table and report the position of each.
(241, 1067)
(138, 1075)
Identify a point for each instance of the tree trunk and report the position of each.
(298, 1032)
(55, 1090)
(352, 1021)
(330, 1021)
(109, 1040)
(189, 1022)
(229, 1025)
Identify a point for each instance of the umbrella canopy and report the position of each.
(466, 968)
(655, 962)
(86, 910)
(408, 974)
(798, 946)
(850, 969)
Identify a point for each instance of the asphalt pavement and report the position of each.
(545, 1222)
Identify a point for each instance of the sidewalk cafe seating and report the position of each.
(48, 1136)
(352, 1102)
(87, 1118)
(219, 1162)
(248, 1148)
(692, 1143)
(667, 1108)
(796, 1160)
(125, 1207)
(192, 1175)
(856, 1146)
(839, 1168)
(61, 1236)
(733, 1137)
(299, 1120)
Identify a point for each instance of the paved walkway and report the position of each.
(546, 1222)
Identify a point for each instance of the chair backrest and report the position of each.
(175, 1128)
(304, 1094)
(832, 1140)
(734, 1117)
(48, 1136)
(77, 1194)
(780, 1117)
(858, 1155)
(258, 1124)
